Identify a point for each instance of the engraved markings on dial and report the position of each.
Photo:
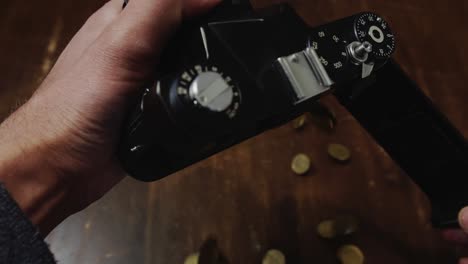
(191, 74)
(326, 44)
(372, 28)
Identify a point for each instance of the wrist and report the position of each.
(29, 175)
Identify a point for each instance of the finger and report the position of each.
(456, 236)
(90, 31)
(463, 219)
(194, 8)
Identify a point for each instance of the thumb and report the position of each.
(463, 219)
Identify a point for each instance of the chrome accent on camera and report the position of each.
(306, 74)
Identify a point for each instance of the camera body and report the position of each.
(225, 80)
(235, 73)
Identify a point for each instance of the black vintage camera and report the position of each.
(236, 72)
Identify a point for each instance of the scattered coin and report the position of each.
(341, 226)
(299, 122)
(192, 259)
(350, 254)
(274, 256)
(339, 152)
(300, 164)
(326, 229)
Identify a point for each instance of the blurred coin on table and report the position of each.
(192, 259)
(350, 254)
(339, 152)
(326, 229)
(299, 122)
(340, 226)
(300, 164)
(274, 256)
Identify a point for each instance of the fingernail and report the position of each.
(463, 218)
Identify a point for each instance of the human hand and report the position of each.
(457, 236)
(57, 152)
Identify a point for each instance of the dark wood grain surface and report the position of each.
(247, 197)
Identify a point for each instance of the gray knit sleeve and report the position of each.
(20, 242)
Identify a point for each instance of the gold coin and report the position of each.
(274, 256)
(192, 259)
(326, 229)
(341, 226)
(300, 164)
(350, 254)
(339, 152)
(299, 122)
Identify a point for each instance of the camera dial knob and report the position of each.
(359, 52)
(210, 90)
(206, 87)
(374, 30)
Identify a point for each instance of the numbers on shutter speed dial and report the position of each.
(375, 30)
(330, 47)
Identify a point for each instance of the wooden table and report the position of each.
(247, 197)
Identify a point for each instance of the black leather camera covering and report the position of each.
(417, 136)
(388, 104)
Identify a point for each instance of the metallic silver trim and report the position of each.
(136, 148)
(359, 52)
(314, 60)
(238, 21)
(205, 42)
(306, 74)
(381, 36)
(158, 87)
(367, 69)
(212, 91)
(142, 103)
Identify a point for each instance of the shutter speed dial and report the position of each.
(206, 87)
(373, 29)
